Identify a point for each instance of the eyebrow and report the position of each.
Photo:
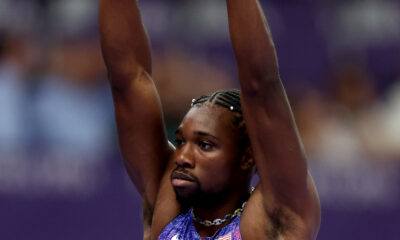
(205, 134)
(200, 133)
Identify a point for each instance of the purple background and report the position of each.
(61, 176)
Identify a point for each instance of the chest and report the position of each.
(182, 228)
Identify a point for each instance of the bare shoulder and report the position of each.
(268, 219)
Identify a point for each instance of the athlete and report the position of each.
(201, 189)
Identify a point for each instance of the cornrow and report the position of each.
(229, 99)
(200, 100)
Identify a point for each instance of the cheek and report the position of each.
(216, 174)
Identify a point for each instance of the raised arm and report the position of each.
(286, 190)
(126, 52)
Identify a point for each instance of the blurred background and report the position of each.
(61, 176)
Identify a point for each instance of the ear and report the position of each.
(247, 161)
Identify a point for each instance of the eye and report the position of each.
(205, 146)
(178, 142)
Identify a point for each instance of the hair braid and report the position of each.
(229, 99)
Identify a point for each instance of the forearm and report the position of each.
(124, 42)
(252, 41)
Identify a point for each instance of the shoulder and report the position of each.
(277, 220)
(177, 227)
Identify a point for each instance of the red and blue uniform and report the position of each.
(182, 228)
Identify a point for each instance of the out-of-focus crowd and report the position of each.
(56, 121)
(351, 136)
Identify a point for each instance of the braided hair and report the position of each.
(229, 99)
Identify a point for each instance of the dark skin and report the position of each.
(285, 203)
(207, 147)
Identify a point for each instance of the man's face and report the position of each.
(207, 156)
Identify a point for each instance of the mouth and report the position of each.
(181, 179)
(176, 174)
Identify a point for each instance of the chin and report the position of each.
(199, 199)
(187, 197)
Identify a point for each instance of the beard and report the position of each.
(196, 197)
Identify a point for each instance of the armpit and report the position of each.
(147, 215)
(282, 222)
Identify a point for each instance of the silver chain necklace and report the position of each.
(219, 221)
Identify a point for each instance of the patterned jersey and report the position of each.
(182, 228)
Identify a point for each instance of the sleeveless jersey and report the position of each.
(182, 228)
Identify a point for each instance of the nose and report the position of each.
(184, 156)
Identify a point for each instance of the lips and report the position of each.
(182, 176)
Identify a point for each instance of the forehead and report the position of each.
(208, 118)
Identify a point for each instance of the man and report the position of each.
(199, 190)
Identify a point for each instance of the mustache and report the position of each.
(182, 173)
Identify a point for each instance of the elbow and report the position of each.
(121, 79)
(123, 68)
(258, 79)
(117, 82)
(258, 68)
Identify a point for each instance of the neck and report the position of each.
(231, 203)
